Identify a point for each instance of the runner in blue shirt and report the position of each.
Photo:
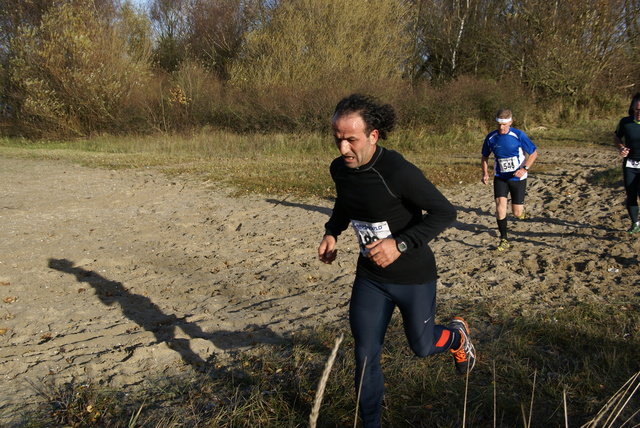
(514, 153)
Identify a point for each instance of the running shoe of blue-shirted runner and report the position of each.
(504, 245)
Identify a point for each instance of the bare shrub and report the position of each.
(194, 97)
(73, 75)
(217, 30)
(328, 42)
(465, 102)
(277, 109)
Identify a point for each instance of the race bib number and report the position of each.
(633, 163)
(508, 164)
(370, 232)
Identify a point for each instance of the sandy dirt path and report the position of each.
(110, 276)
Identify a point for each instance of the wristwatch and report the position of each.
(526, 168)
(402, 246)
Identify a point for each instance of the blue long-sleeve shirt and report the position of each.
(508, 151)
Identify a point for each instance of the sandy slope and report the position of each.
(110, 276)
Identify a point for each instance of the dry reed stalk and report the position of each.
(614, 403)
(630, 418)
(315, 411)
(466, 393)
(619, 410)
(564, 402)
(355, 419)
(495, 398)
(134, 418)
(533, 391)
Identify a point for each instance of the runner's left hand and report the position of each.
(520, 172)
(383, 252)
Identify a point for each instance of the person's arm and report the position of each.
(531, 152)
(383, 252)
(338, 222)
(617, 142)
(531, 158)
(484, 162)
(485, 170)
(410, 184)
(440, 213)
(326, 251)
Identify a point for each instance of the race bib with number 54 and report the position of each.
(508, 164)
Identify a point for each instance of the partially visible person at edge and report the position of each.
(383, 197)
(629, 130)
(514, 153)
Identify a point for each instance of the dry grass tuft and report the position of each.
(594, 352)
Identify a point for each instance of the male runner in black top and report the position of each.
(383, 197)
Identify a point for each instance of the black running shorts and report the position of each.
(503, 187)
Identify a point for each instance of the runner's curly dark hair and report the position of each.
(375, 114)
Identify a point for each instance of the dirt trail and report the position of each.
(108, 276)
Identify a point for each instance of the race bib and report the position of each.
(508, 164)
(633, 163)
(369, 232)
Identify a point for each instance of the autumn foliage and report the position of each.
(78, 68)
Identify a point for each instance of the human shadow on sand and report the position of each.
(307, 207)
(142, 311)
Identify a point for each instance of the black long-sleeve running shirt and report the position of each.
(391, 189)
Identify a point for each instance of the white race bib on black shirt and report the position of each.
(368, 232)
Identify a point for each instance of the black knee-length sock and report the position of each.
(502, 228)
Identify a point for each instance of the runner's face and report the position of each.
(503, 128)
(636, 112)
(356, 147)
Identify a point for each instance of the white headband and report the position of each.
(500, 120)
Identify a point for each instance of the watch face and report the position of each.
(402, 247)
